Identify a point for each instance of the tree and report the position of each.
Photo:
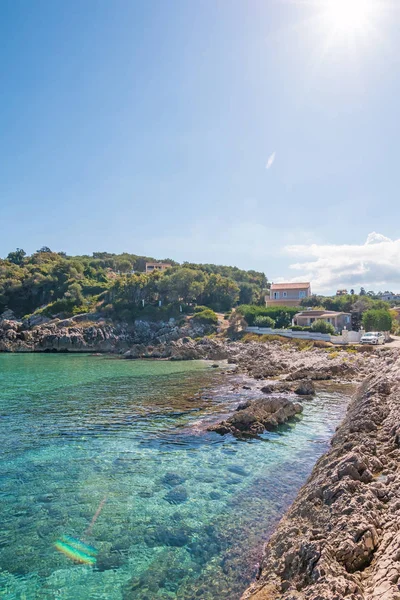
(249, 293)
(322, 326)
(363, 292)
(74, 293)
(361, 305)
(17, 257)
(44, 249)
(124, 266)
(221, 293)
(313, 301)
(377, 320)
(186, 285)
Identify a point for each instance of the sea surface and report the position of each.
(178, 512)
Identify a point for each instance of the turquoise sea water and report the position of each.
(185, 511)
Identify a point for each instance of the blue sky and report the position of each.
(148, 127)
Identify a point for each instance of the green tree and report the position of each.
(221, 293)
(249, 293)
(124, 266)
(74, 293)
(182, 285)
(17, 257)
(377, 320)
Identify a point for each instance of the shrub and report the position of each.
(282, 315)
(206, 317)
(64, 306)
(299, 328)
(263, 321)
(200, 308)
(321, 326)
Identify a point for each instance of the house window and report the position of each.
(284, 294)
(302, 294)
(276, 295)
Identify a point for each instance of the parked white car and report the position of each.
(373, 337)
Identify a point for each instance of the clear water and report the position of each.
(186, 511)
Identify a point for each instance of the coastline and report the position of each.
(340, 538)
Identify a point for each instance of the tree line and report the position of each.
(54, 283)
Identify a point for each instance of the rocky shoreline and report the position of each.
(341, 537)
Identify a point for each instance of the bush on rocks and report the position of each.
(206, 317)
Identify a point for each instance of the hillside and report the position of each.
(53, 283)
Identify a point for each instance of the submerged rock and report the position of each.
(177, 495)
(165, 536)
(172, 479)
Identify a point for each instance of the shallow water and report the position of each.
(186, 512)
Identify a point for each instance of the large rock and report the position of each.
(257, 416)
(305, 388)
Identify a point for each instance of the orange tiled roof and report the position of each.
(290, 286)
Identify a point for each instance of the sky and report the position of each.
(257, 133)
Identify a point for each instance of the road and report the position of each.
(395, 343)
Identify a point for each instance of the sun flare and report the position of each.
(350, 16)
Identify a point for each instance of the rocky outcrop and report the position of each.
(341, 538)
(302, 388)
(91, 333)
(254, 417)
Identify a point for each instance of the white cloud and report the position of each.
(271, 160)
(374, 265)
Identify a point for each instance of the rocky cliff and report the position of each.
(90, 333)
(341, 538)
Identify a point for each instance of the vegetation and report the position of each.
(206, 317)
(299, 344)
(377, 320)
(350, 303)
(281, 315)
(52, 283)
(395, 322)
(322, 326)
(264, 321)
(347, 303)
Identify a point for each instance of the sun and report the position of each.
(350, 16)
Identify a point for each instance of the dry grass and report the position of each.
(302, 345)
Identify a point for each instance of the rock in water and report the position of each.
(177, 495)
(305, 388)
(260, 415)
(172, 479)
